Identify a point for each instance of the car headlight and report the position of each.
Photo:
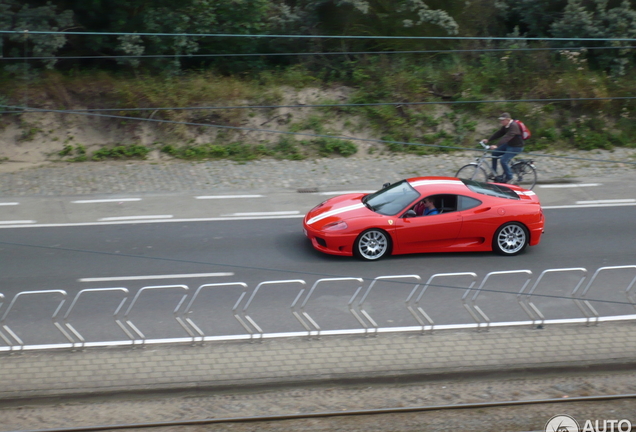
(335, 226)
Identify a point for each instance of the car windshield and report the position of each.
(391, 200)
(490, 189)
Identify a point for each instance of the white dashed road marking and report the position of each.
(345, 192)
(278, 213)
(580, 206)
(610, 201)
(154, 277)
(95, 201)
(228, 197)
(569, 185)
(124, 218)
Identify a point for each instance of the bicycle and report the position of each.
(524, 172)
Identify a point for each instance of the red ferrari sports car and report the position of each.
(427, 214)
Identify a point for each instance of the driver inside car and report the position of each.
(425, 207)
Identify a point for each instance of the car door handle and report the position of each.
(483, 210)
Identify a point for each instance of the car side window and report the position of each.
(447, 203)
(443, 203)
(466, 203)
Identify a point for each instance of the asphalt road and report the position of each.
(172, 240)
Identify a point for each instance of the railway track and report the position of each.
(328, 420)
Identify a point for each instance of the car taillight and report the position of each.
(335, 226)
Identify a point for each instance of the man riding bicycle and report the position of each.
(509, 145)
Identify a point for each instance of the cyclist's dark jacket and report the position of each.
(511, 135)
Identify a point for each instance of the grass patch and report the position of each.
(132, 151)
(331, 146)
(234, 151)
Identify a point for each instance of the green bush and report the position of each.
(67, 150)
(132, 151)
(314, 123)
(234, 151)
(74, 154)
(287, 148)
(328, 146)
(590, 140)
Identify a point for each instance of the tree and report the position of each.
(23, 18)
(167, 16)
(534, 17)
(136, 16)
(598, 20)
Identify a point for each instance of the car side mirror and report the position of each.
(410, 213)
(386, 185)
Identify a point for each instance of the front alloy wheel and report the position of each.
(371, 245)
(510, 239)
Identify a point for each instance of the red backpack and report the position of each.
(525, 132)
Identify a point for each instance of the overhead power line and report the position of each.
(345, 105)
(186, 56)
(261, 36)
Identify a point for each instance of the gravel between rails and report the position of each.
(140, 408)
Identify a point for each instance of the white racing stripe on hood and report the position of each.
(527, 193)
(334, 212)
(432, 182)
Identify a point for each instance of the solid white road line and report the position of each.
(580, 206)
(569, 185)
(227, 196)
(8, 203)
(153, 277)
(135, 222)
(236, 217)
(123, 218)
(279, 213)
(105, 200)
(610, 201)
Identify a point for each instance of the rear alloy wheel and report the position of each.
(510, 239)
(372, 245)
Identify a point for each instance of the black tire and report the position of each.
(510, 239)
(372, 245)
(524, 175)
(472, 172)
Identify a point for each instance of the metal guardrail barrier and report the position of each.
(582, 300)
(277, 282)
(118, 321)
(20, 343)
(317, 329)
(474, 310)
(530, 308)
(358, 305)
(188, 309)
(413, 303)
(178, 317)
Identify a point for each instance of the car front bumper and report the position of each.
(332, 243)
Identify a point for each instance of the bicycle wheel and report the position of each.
(524, 174)
(472, 172)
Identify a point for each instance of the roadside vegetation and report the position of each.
(429, 101)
